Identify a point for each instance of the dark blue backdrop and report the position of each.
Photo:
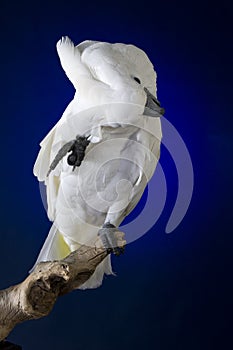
(172, 290)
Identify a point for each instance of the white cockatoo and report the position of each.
(98, 158)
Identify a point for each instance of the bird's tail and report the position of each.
(56, 248)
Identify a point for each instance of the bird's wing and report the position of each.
(71, 62)
(41, 168)
(86, 123)
(42, 163)
(148, 164)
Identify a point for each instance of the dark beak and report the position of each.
(152, 107)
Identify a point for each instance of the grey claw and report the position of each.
(77, 146)
(60, 154)
(118, 251)
(78, 151)
(109, 240)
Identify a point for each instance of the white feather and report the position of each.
(108, 107)
(70, 58)
(49, 250)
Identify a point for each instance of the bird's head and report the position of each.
(123, 72)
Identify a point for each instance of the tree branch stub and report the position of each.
(36, 295)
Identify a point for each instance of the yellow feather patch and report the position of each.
(64, 249)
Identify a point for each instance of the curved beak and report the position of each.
(152, 107)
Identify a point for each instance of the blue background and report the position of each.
(171, 290)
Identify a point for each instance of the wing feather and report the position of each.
(42, 163)
(70, 58)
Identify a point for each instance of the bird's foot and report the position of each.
(112, 239)
(77, 148)
(78, 151)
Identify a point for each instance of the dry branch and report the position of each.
(36, 295)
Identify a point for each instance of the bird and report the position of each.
(98, 158)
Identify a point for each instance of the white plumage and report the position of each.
(111, 82)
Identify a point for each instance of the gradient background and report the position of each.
(172, 291)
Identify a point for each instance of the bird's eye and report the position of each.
(137, 80)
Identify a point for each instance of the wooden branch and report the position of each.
(36, 295)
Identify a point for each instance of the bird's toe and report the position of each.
(112, 239)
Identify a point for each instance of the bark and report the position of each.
(36, 295)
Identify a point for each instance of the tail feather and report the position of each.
(55, 248)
